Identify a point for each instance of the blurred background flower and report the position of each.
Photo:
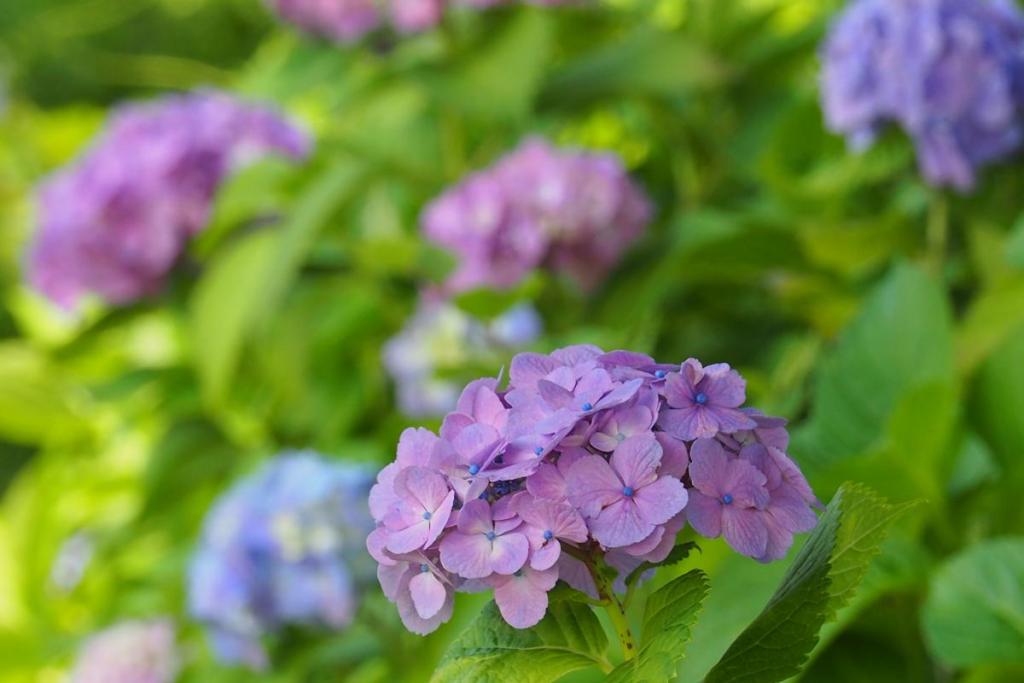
(129, 652)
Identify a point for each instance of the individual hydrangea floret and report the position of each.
(586, 459)
(346, 21)
(949, 72)
(571, 211)
(129, 652)
(115, 222)
(438, 339)
(282, 547)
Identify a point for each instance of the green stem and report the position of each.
(937, 231)
(616, 613)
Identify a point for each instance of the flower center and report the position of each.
(491, 535)
(620, 437)
(701, 398)
(427, 514)
(727, 499)
(627, 491)
(548, 535)
(424, 568)
(474, 468)
(538, 450)
(660, 374)
(588, 406)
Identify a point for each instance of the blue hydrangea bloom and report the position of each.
(283, 546)
(949, 72)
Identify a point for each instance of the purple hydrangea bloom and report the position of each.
(574, 459)
(283, 546)
(346, 21)
(574, 212)
(438, 339)
(949, 72)
(129, 652)
(115, 222)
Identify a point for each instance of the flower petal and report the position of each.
(592, 484)
(661, 501)
(636, 460)
(468, 555)
(509, 553)
(704, 514)
(428, 594)
(619, 525)
(744, 530)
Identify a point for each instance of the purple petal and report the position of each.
(674, 459)
(468, 555)
(661, 501)
(724, 386)
(428, 594)
(620, 524)
(636, 460)
(744, 530)
(475, 517)
(528, 368)
(509, 553)
(591, 484)
(546, 556)
(704, 514)
(408, 539)
(678, 392)
(522, 604)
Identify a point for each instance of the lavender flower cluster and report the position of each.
(584, 455)
(440, 338)
(571, 211)
(283, 546)
(950, 72)
(115, 222)
(129, 652)
(346, 21)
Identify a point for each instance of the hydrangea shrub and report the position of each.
(115, 222)
(586, 458)
(282, 547)
(569, 211)
(129, 652)
(949, 72)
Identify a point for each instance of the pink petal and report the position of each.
(709, 466)
(674, 459)
(408, 539)
(521, 604)
(724, 386)
(414, 622)
(546, 556)
(661, 501)
(636, 460)
(591, 484)
(704, 514)
(468, 555)
(546, 483)
(508, 553)
(475, 517)
(646, 545)
(576, 574)
(425, 486)
(527, 368)
(415, 446)
(376, 541)
(731, 420)
(678, 392)
(744, 530)
(476, 442)
(620, 394)
(619, 525)
(428, 594)
(576, 354)
(604, 442)
(439, 518)
(390, 578)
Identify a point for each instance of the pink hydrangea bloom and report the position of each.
(129, 652)
(573, 212)
(572, 465)
(115, 222)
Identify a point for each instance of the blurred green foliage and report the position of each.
(884, 318)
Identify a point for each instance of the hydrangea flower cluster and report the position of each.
(115, 222)
(950, 72)
(346, 21)
(129, 652)
(440, 337)
(283, 546)
(586, 456)
(571, 211)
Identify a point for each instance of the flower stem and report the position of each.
(616, 612)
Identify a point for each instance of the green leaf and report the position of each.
(501, 78)
(569, 638)
(247, 280)
(821, 580)
(991, 319)
(35, 404)
(669, 614)
(997, 402)
(975, 609)
(900, 345)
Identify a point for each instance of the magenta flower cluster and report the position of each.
(346, 21)
(115, 222)
(584, 455)
(949, 72)
(570, 211)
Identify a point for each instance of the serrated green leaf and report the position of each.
(821, 580)
(569, 638)
(669, 614)
(975, 609)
